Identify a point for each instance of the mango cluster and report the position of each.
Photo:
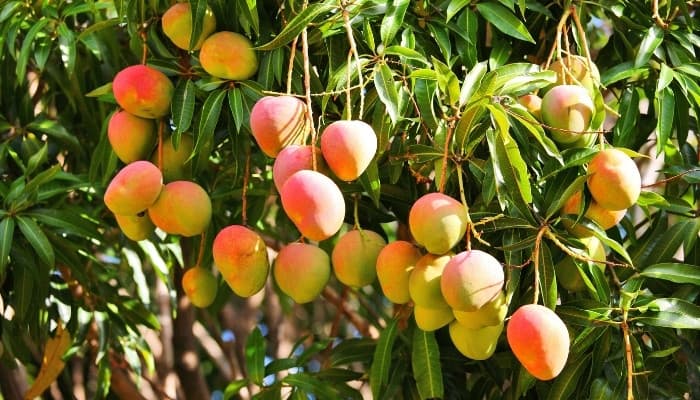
(614, 184)
(567, 108)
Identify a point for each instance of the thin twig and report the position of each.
(655, 15)
(353, 50)
(307, 91)
(536, 261)
(628, 356)
(445, 155)
(290, 67)
(244, 194)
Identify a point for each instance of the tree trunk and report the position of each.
(13, 382)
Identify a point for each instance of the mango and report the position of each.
(132, 138)
(424, 281)
(175, 165)
(241, 256)
(136, 227)
(437, 222)
(614, 180)
(567, 271)
(301, 271)
(539, 340)
(200, 286)
(183, 208)
(578, 72)
(471, 279)
(295, 158)
(348, 147)
(533, 103)
(177, 25)
(135, 188)
(568, 111)
(603, 217)
(490, 314)
(432, 319)
(277, 122)
(477, 344)
(228, 55)
(354, 257)
(314, 203)
(394, 265)
(143, 91)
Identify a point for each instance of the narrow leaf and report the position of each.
(396, 10)
(671, 313)
(27, 46)
(665, 107)
(182, 107)
(471, 82)
(674, 272)
(7, 227)
(255, 356)
(425, 358)
(210, 116)
(565, 384)
(652, 40)
(384, 82)
(504, 20)
(37, 239)
(297, 24)
(381, 362)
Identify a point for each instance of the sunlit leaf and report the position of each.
(504, 20)
(425, 359)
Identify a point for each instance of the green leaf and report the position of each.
(381, 362)
(298, 23)
(211, 110)
(384, 83)
(662, 248)
(182, 107)
(370, 182)
(405, 52)
(24, 284)
(504, 20)
(447, 81)
(198, 9)
(7, 227)
(395, 12)
(27, 46)
(565, 384)
(255, 356)
(665, 78)
(425, 359)
(626, 125)
(36, 237)
(55, 130)
(674, 272)
(653, 38)
(454, 7)
(548, 280)
(352, 350)
(670, 313)
(234, 387)
(66, 45)
(471, 82)
(665, 106)
(311, 384)
(69, 220)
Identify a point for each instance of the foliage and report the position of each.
(438, 81)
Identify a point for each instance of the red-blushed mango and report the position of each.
(295, 158)
(437, 222)
(603, 217)
(228, 55)
(175, 165)
(132, 138)
(183, 208)
(567, 271)
(301, 271)
(143, 91)
(241, 256)
(277, 122)
(533, 103)
(200, 286)
(314, 203)
(567, 110)
(471, 279)
(539, 339)
(348, 147)
(424, 281)
(177, 25)
(394, 265)
(136, 227)
(490, 314)
(135, 188)
(432, 319)
(614, 180)
(477, 344)
(354, 257)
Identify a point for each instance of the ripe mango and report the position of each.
(568, 109)
(177, 25)
(301, 271)
(143, 91)
(394, 265)
(348, 147)
(183, 208)
(424, 281)
(432, 319)
(132, 138)
(490, 314)
(471, 279)
(228, 55)
(354, 257)
(135, 188)
(241, 256)
(614, 180)
(477, 344)
(437, 222)
(136, 227)
(200, 286)
(277, 122)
